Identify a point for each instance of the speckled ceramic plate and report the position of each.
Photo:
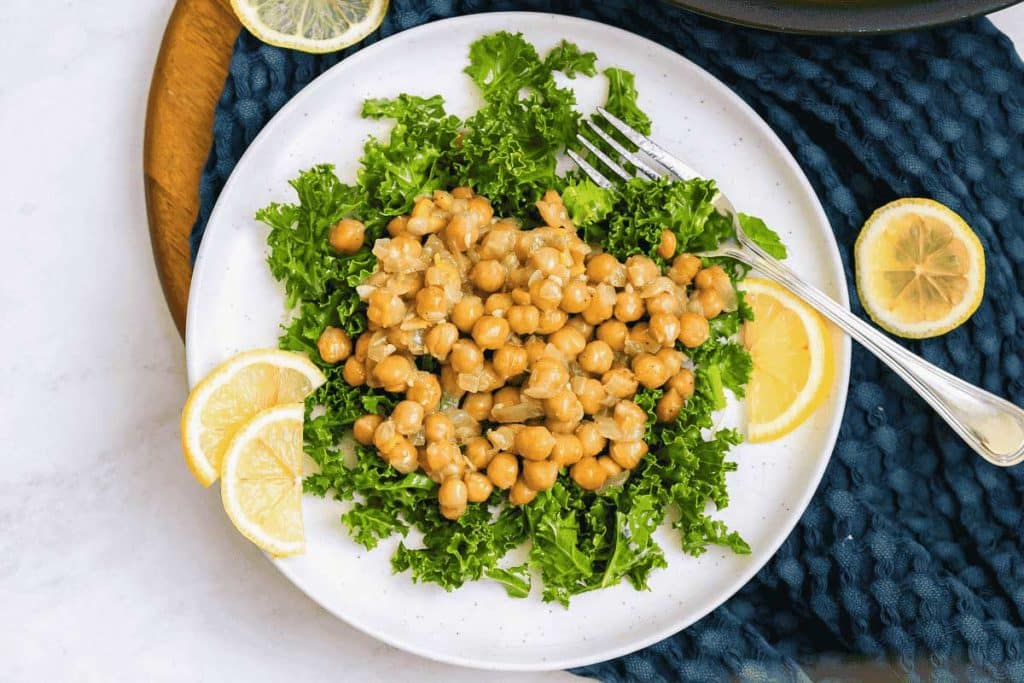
(235, 304)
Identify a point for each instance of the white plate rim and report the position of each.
(842, 376)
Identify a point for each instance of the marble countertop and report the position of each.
(114, 564)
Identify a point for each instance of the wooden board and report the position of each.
(187, 81)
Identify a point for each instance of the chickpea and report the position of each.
(462, 232)
(601, 267)
(422, 207)
(431, 304)
(547, 260)
(649, 370)
(521, 493)
(693, 329)
(629, 306)
(710, 302)
(490, 333)
(580, 325)
(506, 396)
(498, 242)
(620, 382)
(535, 348)
(668, 406)
(466, 357)
(440, 339)
(497, 304)
(682, 383)
(334, 345)
(711, 278)
(590, 396)
(534, 443)
(667, 245)
(598, 311)
(347, 235)
(481, 206)
(386, 437)
(478, 405)
(385, 308)
(569, 341)
(403, 457)
(547, 377)
(545, 294)
(425, 390)
(503, 470)
(364, 427)
(576, 296)
(444, 275)
(614, 334)
(610, 467)
(641, 270)
(520, 297)
(478, 487)
(408, 417)
(462, 192)
(629, 416)
(523, 319)
(393, 372)
(662, 303)
(588, 474)
(510, 361)
(564, 406)
(438, 428)
(596, 358)
(354, 372)
(479, 452)
(540, 475)
(439, 455)
(684, 268)
(672, 359)
(452, 493)
(562, 426)
(407, 247)
(363, 345)
(590, 438)
(567, 450)
(397, 225)
(488, 275)
(466, 312)
(664, 329)
(450, 382)
(551, 321)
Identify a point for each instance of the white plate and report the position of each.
(235, 304)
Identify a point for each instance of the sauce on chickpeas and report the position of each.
(542, 344)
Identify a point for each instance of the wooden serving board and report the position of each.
(187, 81)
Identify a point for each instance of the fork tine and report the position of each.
(656, 151)
(635, 160)
(589, 170)
(604, 158)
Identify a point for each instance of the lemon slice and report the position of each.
(235, 391)
(792, 351)
(311, 25)
(920, 268)
(261, 486)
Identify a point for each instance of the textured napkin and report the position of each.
(908, 562)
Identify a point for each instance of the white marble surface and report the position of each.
(114, 564)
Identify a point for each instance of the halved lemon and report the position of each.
(920, 268)
(792, 351)
(230, 395)
(311, 25)
(261, 482)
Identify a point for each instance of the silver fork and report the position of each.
(990, 425)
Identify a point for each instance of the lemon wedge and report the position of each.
(261, 482)
(230, 395)
(920, 268)
(792, 351)
(311, 25)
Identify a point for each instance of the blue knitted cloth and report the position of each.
(909, 562)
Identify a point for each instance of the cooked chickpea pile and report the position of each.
(539, 336)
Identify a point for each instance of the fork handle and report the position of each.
(990, 425)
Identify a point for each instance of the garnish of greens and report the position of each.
(507, 151)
